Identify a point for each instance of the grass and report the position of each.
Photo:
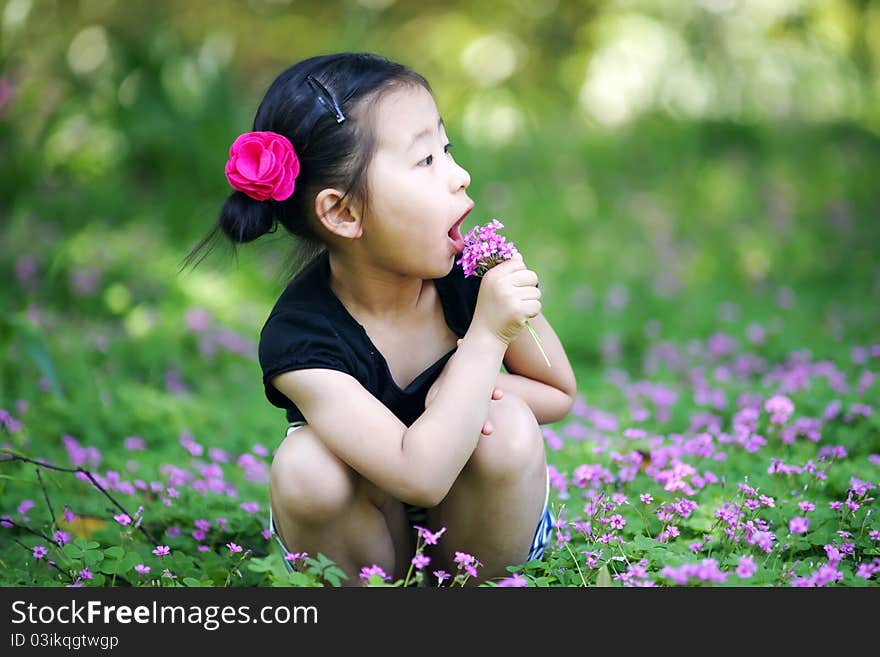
(715, 264)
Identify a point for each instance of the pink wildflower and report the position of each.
(483, 249)
(368, 571)
(516, 580)
(798, 525)
(420, 561)
(430, 539)
(746, 567)
(780, 408)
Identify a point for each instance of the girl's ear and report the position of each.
(339, 218)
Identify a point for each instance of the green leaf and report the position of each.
(192, 582)
(129, 561)
(114, 552)
(72, 550)
(603, 577)
(645, 543)
(302, 579)
(108, 566)
(261, 564)
(93, 556)
(333, 578)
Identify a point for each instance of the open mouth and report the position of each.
(455, 232)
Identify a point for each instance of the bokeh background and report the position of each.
(672, 170)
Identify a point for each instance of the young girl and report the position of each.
(385, 358)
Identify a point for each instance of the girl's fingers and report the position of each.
(488, 428)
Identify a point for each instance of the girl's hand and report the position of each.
(497, 394)
(508, 298)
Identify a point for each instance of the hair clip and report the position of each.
(325, 98)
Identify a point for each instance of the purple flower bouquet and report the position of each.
(483, 249)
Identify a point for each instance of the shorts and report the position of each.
(416, 515)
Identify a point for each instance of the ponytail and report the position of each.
(244, 219)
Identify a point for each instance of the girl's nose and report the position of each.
(461, 179)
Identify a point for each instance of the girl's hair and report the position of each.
(331, 154)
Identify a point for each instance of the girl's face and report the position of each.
(417, 192)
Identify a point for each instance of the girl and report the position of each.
(385, 358)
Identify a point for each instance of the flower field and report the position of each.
(716, 464)
(694, 183)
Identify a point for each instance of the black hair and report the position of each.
(331, 154)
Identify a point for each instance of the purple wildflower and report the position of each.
(746, 567)
(516, 580)
(617, 521)
(368, 571)
(483, 249)
(134, 443)
(430, 539)
(780, 408)
(798, 525)
(420, 561)
(592, 559)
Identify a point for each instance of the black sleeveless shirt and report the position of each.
(310, 328)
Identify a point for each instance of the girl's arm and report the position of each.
(549, 404)
(416, 464)
(549, 391)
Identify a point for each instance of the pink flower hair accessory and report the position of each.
(263, 165)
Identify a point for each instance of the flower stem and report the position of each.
(538, 342)
(576, 565)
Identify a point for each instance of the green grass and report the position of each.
(700, 227)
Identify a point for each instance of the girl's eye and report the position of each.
(430, 158)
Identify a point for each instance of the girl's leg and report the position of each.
(319, 504)
(493, 508)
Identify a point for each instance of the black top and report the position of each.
(310, 328)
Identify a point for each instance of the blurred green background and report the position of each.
(670, 169)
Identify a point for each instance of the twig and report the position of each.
(91, 477)
(46, 495)
(32, 531)
(53, 564)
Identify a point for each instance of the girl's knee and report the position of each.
(516, 445)
(309, 483)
